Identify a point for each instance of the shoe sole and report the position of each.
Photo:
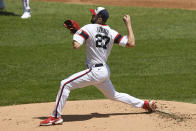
(59, 122)
(25, 17)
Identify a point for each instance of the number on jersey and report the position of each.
(102, 41)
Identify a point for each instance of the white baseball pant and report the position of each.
(25, 4)
(100, 78)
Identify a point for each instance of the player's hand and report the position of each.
(76, 45)
(127, 19)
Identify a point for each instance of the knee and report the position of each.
(64, 84)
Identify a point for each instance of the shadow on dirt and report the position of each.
(70, 118)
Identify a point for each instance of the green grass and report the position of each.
(36, 54)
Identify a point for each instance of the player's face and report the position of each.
(94, 19)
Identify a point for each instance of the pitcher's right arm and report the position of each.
(131, 38)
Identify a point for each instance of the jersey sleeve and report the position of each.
(123, 41)
(119, 39)
(81, 35)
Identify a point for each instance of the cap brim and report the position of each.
(93, 12)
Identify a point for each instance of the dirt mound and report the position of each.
(100, 115)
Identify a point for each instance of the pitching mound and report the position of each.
(100, 115)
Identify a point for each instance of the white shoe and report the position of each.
(26, 15)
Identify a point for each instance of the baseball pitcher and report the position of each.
(99, 39)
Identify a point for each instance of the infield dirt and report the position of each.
(100, 115)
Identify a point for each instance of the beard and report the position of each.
(94, 20)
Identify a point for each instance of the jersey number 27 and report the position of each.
(102, 41)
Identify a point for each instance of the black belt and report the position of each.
(98, 65)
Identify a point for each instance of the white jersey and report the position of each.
(99, 40)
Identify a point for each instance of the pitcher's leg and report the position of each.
(78, 80)
(61, 99)
(108, 90)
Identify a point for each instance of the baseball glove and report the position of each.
(71, 25)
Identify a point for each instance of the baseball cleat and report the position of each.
(150, 106)
(26, 15)
(51, 121)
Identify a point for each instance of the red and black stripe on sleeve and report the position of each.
(118, 38)
(84, 35)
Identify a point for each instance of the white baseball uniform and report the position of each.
(99, 40)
